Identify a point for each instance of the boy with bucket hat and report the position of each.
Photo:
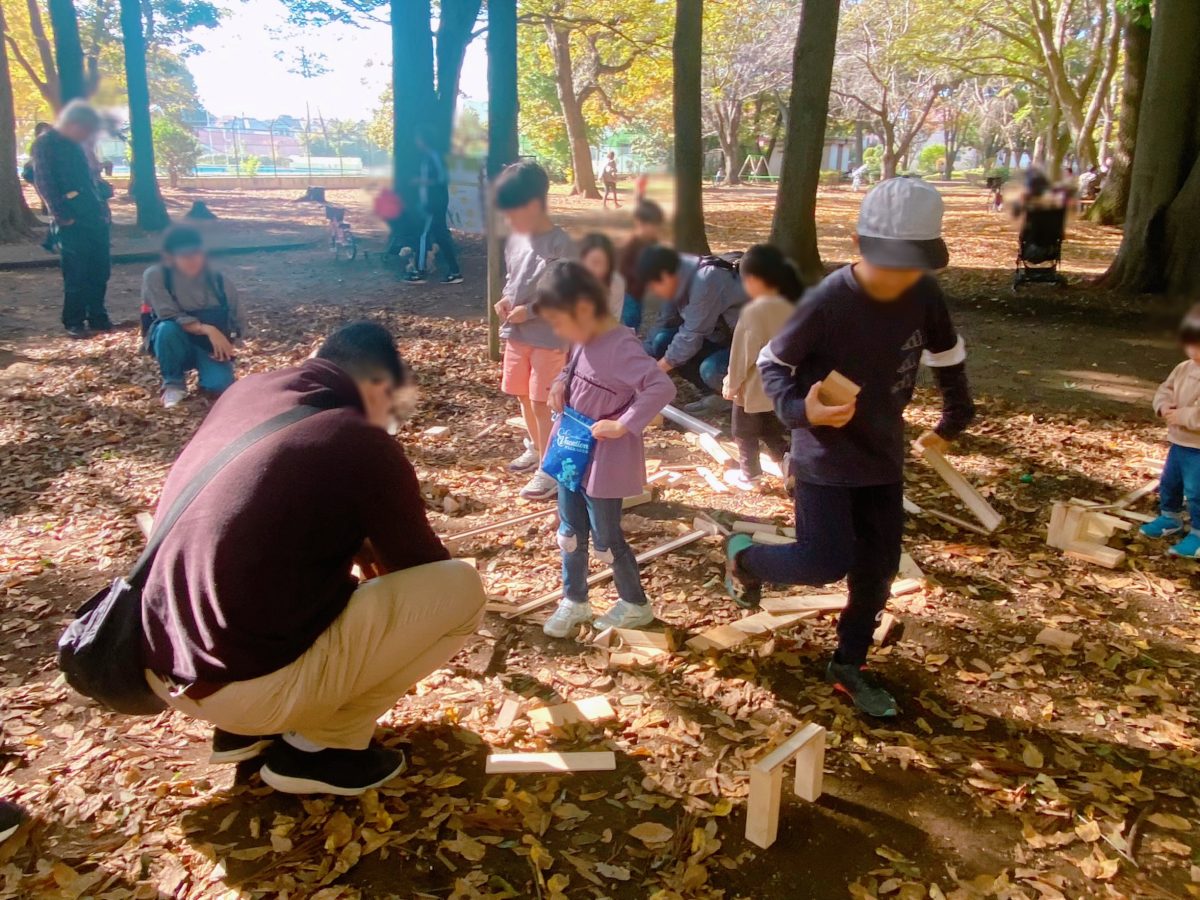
(875, 322)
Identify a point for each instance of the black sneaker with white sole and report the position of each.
(346, 773)
(236, 748)
(11, 817)
(453, 278)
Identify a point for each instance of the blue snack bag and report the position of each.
(570, 449)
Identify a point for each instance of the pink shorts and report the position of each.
(529, 371)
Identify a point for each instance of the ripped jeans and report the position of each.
(580, 516)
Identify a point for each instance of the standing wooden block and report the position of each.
(508, 714)
(974, 501)
(886, 623)
(837, 389)
(515, 763)
(592, 709)
(436, 431)
(807, 747)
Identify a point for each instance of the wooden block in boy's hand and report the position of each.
(837, 389)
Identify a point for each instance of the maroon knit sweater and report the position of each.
(259, 565)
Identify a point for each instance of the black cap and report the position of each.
(181, 240)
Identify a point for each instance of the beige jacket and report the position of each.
(1182, 391)
(759, 322)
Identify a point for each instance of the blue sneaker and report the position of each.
(1188, 548)
(745, 592)
(1164, 526)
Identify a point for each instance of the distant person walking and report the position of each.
(433, 195)
(609, 176)
(65, 180)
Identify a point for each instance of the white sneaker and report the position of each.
(743, 482)
(540, 487)
(528, 459)
(173, 395)
(567, 618)
(626, 615)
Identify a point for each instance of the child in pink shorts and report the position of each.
(533, 355)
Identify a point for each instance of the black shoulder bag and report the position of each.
(100, 653)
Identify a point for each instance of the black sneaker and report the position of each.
(11, 818)
(77, 332)
(102, 325)
(453, 278)
(236, 748)
(346, 773)
(415, 278)
(856, 683)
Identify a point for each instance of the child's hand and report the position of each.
(607, 429)
(557, 398)
(1170, 415)
(518, 315)
(930, 440)
(820, 414)
(503, 308)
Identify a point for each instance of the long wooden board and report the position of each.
(517, 763)
(971, 498)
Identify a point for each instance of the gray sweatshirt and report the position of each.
(526, 257)
(190, 296)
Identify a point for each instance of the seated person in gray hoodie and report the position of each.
(191, 316)
(701, 299)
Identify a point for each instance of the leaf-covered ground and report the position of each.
(1016, 770)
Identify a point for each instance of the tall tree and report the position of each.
(15, 218)
(689, 147)
(68, 50)
(413, 88)
(1162, 224)
(879, 74)
(1110, 205)
(143, 176)
(794, 229)
(503, 145)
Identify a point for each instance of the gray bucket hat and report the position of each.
(900, 226)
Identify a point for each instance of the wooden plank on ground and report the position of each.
(974, 501)
(819, 602)
(763, 622)
(770, 539)
(886, 622)
(654, 640)
(517, 763)
(509, 711)
(722, 637)
(713, 448)
(714, 483)
(590, 709)
(145, 522)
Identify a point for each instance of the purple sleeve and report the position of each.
(652, 387)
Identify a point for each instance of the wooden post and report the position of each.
(807, 747)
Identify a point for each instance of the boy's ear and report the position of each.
(854, 238)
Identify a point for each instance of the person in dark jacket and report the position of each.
(66, 183)
(253, 620)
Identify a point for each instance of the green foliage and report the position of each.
(249, 166)
(932, 158)
(873, 160)
(175, 148)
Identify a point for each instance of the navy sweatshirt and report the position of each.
(879, 346)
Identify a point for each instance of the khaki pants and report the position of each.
(394, 631)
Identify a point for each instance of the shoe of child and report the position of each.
(856, 683)
(1188, 548)
(745, 592)
(343, 773)
(173, 395)
(1164, 526)
(567, 618)
(453, 278)
(11, 817)
(738, 479)
(228, 747)
(540, 487)
(528, 459)
(415, 278)
(626, 615)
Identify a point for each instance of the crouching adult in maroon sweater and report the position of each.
(252, 618)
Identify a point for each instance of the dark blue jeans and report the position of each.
(1180, 481)
(580, 515)
(841, 532)
(177, 353)
(706, 370)
(631, 313)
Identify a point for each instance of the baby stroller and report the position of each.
(1040, 247)
(341, 239)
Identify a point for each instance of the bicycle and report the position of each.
(341, 239)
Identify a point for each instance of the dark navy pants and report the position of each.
(841, 532)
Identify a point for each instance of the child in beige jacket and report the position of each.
(773, 286)
(1177, 400)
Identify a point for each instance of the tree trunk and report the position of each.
(455, 28)
(774, 139)
(729, 124)
(794, 229)
(16, 220)
(503, 144)
(68, 50)
(143, 179)
(686, 54)
(1154, 249)
(1110, 205)
(413, 98)
(858, 143)
(568, 98)
(890, 157)
(1183, 237)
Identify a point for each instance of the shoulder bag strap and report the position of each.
(205, 475)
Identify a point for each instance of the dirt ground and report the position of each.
(1016, 770)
